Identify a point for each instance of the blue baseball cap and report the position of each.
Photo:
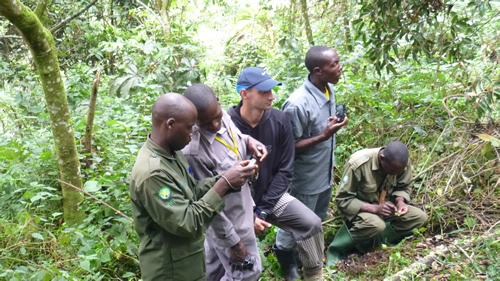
(255, 77)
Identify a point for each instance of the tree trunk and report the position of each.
(303, 4)
(42, 46)
(87, 143)
(347, 34)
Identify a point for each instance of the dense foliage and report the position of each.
(424, 72)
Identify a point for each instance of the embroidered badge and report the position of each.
(344, 180)
(164, 193)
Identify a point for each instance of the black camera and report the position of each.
(247, 264)
(340, 112)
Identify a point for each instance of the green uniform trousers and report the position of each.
(366, 226)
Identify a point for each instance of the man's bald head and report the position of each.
(173, 119)
(170, 105)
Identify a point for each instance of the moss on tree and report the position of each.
(42, 46)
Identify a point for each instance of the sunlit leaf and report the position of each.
(494, 141)
(420, 131)
(85, 264)
(92, 186)
(37, 236)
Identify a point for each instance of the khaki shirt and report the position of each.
(363, 180)
(171, 211)
(309, 109)
(209, 157)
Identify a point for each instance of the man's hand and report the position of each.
(238, 252)
(332, 127)
(401, 207)
(259, 225)
(238, 174)
(386, 210)
(257, 148)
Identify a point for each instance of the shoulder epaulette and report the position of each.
(154, 162)
(359, 158)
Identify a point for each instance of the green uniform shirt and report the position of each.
(171, 211)
(363, 180)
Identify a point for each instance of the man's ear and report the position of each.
(170, 123)
(317, 70)
(243, 94)
(381, 156)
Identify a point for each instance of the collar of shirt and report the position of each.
(375, 161)
(159, 150)
(209, 136)
(390, 179)
(319, 96)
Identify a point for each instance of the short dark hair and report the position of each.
(396, 151)
(315, 58)
(201, 95)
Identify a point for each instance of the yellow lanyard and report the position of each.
(233, 148)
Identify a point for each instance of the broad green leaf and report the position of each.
(128, 275)
(85, 265)
(56, 214)
(420, 131)
(105, 257)
(92, 186)
(37, 236)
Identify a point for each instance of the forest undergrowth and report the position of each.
(424, 74)
(459, 189)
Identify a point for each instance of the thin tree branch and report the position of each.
(40, 9)
(310, 39)
(87, 144)
(67, 20)
(97, 199)
(11, 37)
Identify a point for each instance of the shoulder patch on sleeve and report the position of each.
(358, 159)
(344, 180)
(166, 195)
(164, 192)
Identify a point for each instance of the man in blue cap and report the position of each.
(255, 116)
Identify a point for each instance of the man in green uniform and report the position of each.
(373, 200)
(171, 209)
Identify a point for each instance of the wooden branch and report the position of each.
(303, 4)
(87, 143)
(67, 20)
(118, 212)
(419, 265)
(441, 250)
(444, 101)
(11, 37)
(40, 8)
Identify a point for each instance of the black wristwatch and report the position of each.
(261, 214)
